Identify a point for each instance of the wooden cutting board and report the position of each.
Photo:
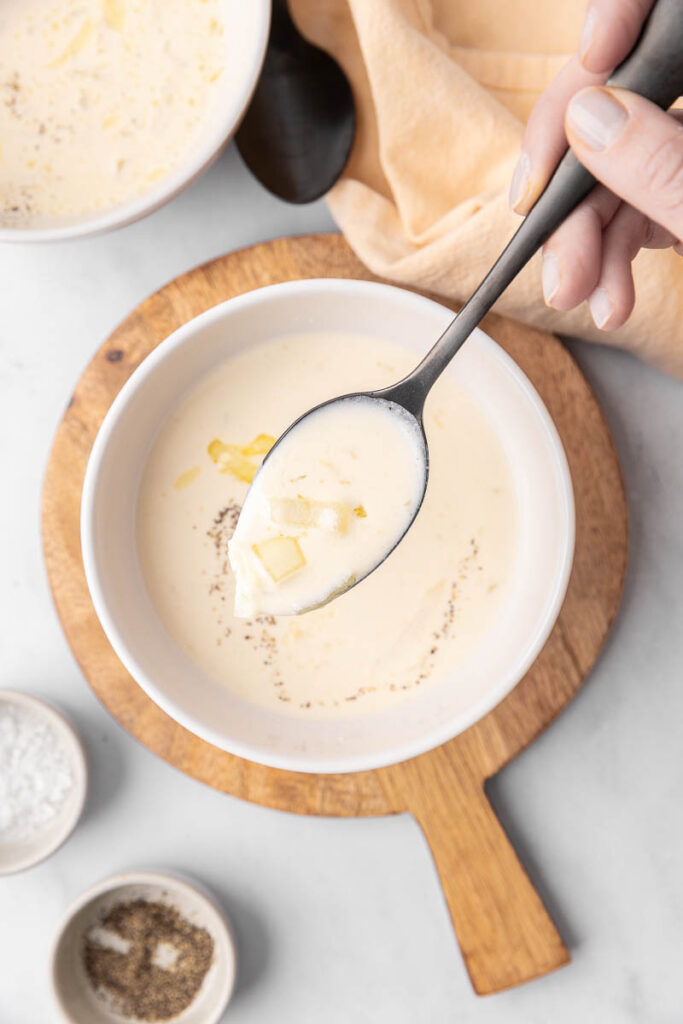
(505, 933)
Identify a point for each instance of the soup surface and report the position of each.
(405, 626)
(100, 99)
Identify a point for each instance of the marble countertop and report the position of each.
(341, 921)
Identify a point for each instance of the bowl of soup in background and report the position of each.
(542, 508)
(123, 128)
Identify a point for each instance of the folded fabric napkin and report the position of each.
(442, 89)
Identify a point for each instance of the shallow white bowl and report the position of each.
(543, 562)
(72, 990)
(247, 24)
(17, 855)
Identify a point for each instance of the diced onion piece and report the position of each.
(114, 14)
(281, 557)
(78, 43)
(330, 515)
(240, 467)
(216, 449)
(261, 445)
(187, 478)
(229, 459)
(292, 511)
(334, 516)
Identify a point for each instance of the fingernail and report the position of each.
(587, 33)
(600, 306)
(520, 180)
(550, 276)
(596, 117)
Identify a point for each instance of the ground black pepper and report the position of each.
(163, 967)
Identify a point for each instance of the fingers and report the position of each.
(612, 300)
(610, 31)
(634, 148)
(589, 257)
(572, 257)
(544, 139)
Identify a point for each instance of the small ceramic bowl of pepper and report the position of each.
(144, 946)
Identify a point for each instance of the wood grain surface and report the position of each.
(505, 933)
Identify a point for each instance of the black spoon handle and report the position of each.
(654, 69)
(283, 32)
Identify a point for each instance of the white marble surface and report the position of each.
(343, 921)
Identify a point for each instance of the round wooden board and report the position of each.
(505, 934)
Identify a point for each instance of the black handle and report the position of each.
(654, 69)
(284, 35)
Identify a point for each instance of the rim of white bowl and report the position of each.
(171, 881)
(67, 731)
(119, 216)
(435, 736)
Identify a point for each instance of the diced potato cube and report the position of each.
(261, 445)
(300, 511)
(281, 557)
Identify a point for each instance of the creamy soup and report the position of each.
(333, 498)
(100, 99)
(410, 622)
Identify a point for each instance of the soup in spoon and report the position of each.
(333, 498)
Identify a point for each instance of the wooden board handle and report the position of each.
(504, 931)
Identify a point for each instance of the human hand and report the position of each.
(628, 144)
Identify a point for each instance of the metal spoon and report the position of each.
(655, 70)
(298, 131)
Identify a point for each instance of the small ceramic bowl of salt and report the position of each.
(43, 780)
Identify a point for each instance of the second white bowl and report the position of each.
(245, 40)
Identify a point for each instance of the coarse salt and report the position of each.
(35, 773)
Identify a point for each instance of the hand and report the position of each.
(628, 144)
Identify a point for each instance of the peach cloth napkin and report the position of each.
(442, 89)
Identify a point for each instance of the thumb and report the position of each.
(633, 147)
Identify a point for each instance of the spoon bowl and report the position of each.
(297, 134)
(360, 445)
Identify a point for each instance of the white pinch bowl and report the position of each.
(246, 37)
(16, 855)
(525, 618)
(73, 993)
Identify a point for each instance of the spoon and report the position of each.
(298, 130)
(655, 70)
